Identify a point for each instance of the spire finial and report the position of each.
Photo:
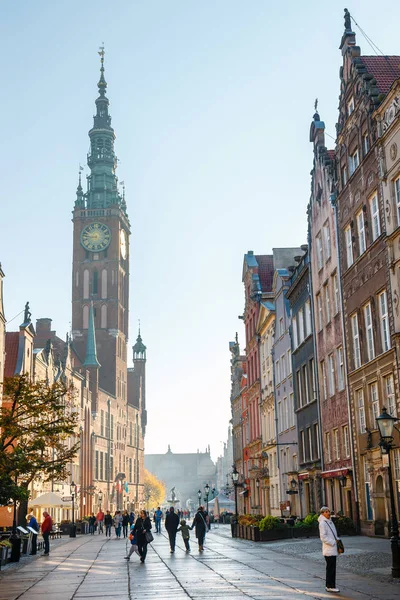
(80, 177)
(347, 20)
(102, 85)
(139, 325)
(316, 116)
(27, 313)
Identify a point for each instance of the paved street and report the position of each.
(94, 568)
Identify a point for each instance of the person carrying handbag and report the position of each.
(141, 527)
(332, 545)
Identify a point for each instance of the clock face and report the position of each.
(96, 237)
(123, 244)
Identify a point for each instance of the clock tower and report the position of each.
(100, 270)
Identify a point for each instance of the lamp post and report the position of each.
(199, 496)
(15, 540)
(207, 492)
(386, 425)
(258, 492)
(342, 481)
(72, 530)
(235, 478)
(100, 499)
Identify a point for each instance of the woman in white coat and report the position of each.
(329, 537)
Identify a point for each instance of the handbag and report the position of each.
(339, 543)
(149, 537)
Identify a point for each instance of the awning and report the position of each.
(334, 473)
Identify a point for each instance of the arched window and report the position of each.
(104, 283)
(103, 321)
(85, 317)
(95, 284)
(86, 283)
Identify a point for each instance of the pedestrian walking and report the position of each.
(157, 519)
(125, 523)
(108, 521)
(329, 539)
(131, 518)
(141, 527)
(118, 523)
(184, 529)
(200, 525)
(33, 524)
(47, 526)
(100, 521)
(134, 546)
(171, 525)
(92, 523)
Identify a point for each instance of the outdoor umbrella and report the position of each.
(49, 499)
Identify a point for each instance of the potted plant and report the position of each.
(345, 525)
(5, 552)
(272, 528)
(307, 527)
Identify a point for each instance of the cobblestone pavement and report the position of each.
(93, 568)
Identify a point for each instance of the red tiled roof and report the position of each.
(266, 271)
(12, 343)
(385, 69)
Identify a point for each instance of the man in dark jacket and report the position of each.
(171, 525)
(108, 521)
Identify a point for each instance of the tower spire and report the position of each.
(102, 85)
(91, 350)
(79, 202)
(102, 182)
(139, 349)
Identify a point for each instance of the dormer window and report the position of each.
(354, 161)
(350, 106)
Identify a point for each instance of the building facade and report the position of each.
(306, 404)
(368, 318)
(266, 489)
(286, 423)
(336, 432)
(186, 473)
(257, 281)
(238, 384)
(2, 333)
(388, 119)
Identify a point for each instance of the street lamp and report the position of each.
(258, 491)
(100, 499)
(386, 425)
(235, 478)
(199, 496)
(72, 530)
(15, 540)
(207, 492)
(342, 481)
